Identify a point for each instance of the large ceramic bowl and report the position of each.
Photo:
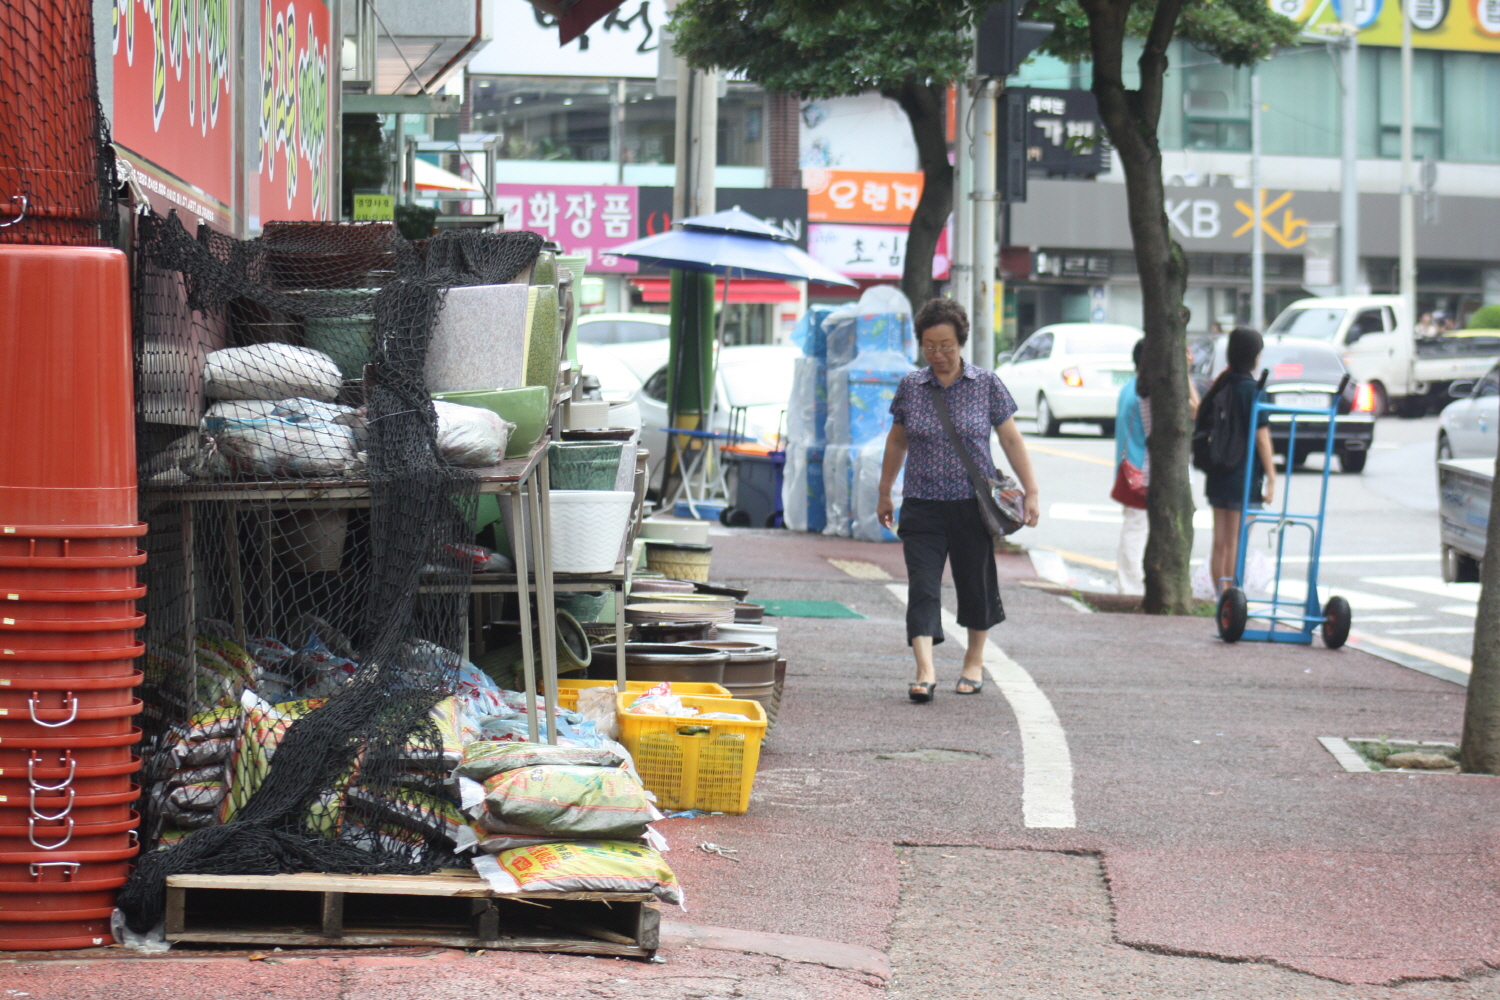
(656, 662)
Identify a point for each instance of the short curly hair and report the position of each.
(938, 311)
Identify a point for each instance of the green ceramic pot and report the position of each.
(583, 466)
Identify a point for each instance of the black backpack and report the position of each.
(1222, 434)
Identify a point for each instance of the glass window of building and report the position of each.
(1301, 96)
(1471, 111)
(1426, 102)
(1215, 103)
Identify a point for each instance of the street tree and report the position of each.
(908, 50)
(1238, 32)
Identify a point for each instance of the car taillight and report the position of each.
(1073, 377)
(1364, 398)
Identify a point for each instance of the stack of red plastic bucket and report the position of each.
(68, 557)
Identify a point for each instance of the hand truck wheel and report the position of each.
(1233, 614)
(1336, 621)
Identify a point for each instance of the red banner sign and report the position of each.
(295, 105)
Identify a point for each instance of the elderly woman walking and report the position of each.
(940, 518)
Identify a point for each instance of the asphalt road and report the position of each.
(1380, 547)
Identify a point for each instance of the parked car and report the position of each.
(1070, 372)
(621, 328)
(1376, 338)
(754, 378)
(1303, 372)
(1467, 427)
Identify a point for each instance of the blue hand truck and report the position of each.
(1285, 619)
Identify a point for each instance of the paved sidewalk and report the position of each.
(1219, 850)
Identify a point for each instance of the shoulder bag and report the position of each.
(1002, 502)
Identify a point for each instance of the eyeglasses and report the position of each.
(939, 348)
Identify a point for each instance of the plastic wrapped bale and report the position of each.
(807, 410)
(865, 493)
(841, 344)
(838, 467)
(859, 397)
(809, 335)
(884, 322)
(802, 500)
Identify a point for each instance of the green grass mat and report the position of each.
(809, 609)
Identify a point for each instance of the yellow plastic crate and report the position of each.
(712, 770)
(568, 687)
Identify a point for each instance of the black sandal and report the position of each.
(921, 691)
(975, 686)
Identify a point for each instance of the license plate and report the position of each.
(1309, 400)
(1120, 378)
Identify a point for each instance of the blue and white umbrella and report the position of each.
(733, 243)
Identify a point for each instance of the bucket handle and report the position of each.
(31, 834)
(71, 866)
(31, 706)
(37, 786)
(41, 815)
(25, 204)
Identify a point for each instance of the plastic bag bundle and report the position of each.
(283, 443)
(471, 436)
(271, 371)
(864, 494)
(597, 704)
(410, 809)
(486, 759)
(598, 866)
(807, 409)
(587, 802)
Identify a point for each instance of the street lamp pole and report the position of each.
(1408, 247)
(1349, 195)
(986, 210)
(1257, 198)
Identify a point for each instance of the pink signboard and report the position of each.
(868, 251)
(584, 219)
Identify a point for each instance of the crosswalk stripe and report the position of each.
(860, 569)
(1467, 610)
(1359, 600)
(1428, 585)
(1437, 656)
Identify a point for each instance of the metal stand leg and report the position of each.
(620, 599)
(518, 544)
(546, 609)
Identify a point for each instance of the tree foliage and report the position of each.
(1237, 32)
(820, 51)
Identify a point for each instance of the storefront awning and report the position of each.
(749, 290)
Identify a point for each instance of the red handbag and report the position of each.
(1130, 485)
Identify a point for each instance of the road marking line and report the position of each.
(1047, 766)
(1064, 453)
(1109, 513)
(1428, 585)
(1366, 619)
(1431, 631)
(1359, 600)
(1467, 610)
(860, 569)
(1437, 656)
(1078, 557)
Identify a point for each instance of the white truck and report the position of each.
(1464, 490)
(1377, 340)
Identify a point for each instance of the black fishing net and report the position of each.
(57, 170)
(308, 571)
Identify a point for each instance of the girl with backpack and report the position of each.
(1220, 448)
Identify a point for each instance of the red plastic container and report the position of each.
(51, 727)
(100, 684)
(44, 597)
(16, 907)
(53, 706)
(53, 759)
(67, 394)
(117, 667)
(104, 847)
(61, 936)
(51, 798)
(59, 769)
(17, 655)
(21, 633)
(16, 827)
(67, 874)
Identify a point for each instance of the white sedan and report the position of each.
(1470, 425)
(1071, 372)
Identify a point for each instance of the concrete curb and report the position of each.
(811, 951)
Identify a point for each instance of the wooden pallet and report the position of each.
(452, 908)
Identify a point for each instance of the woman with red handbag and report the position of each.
(1133, 473)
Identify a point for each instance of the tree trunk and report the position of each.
(1131, 119)
(924, 106)
(1479, 751)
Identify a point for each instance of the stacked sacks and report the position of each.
(562, 818)
(68, 619)
(869, 353)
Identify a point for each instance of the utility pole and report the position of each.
(1257, 197)
(962, 267)
(1349, 195)
(1408, 247)
(986, 209)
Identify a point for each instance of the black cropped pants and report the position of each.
(934, 532)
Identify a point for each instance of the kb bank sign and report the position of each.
(1208, 218)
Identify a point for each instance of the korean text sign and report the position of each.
(861, 196)
(173, 105)
(584, 219)
(877, 252)
(295, 140)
